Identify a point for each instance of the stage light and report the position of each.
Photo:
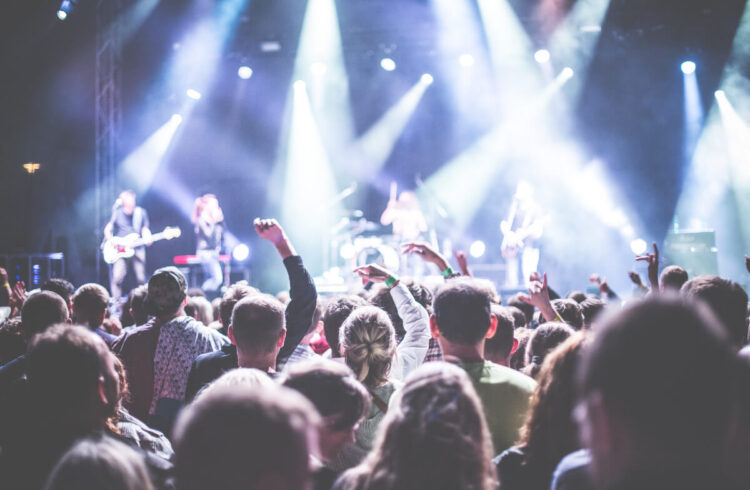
(688, 67)
(176, 119)
(65, 8)
(477, 249)
(193, 94)
(241, 252)
(31, 167)
(720, 95)
(347, 251)
(566, 74)
(466, 60)
(427, 79)
(638, 246)
(542, 56)
(387, 64)
(300, 85)
(244, 72)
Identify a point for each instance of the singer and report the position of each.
(127, 219)
(209, 232)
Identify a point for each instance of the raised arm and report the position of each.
(411, 351)
(539, 297)
(653, 268)
(304, 296)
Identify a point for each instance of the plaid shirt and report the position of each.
(433, 352)
(300, 353)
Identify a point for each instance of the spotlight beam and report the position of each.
(374, 147)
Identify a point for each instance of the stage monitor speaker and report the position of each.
(695, 251)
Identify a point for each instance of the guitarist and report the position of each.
(127, 218)
(521, 230)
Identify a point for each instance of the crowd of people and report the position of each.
(395, 385)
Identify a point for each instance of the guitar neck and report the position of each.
(154, 238)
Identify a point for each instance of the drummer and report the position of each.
(408, 222)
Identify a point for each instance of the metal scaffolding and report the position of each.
(108, 111)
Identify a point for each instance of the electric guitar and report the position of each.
(123, 247)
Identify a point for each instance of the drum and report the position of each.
(376, 250)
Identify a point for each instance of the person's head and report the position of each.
(316, 325)
(726, 299)
(340, 399)
(550, 431)
(570, 311)
(258, 326)
(137, 302)
(368, 343)
(231, 296)
(238, 377)
(672, 278)
(206, 205)
(591, 308)
(199, 308)
(542, 341)
(40, 311)
(519, 317)
(90, 304)
(382, 298)
(60, 286)
(518, 358)
(433, 436)
(461, 313)
(166, 294)
(12, 341)
(499, 347)
(243, 438)
(656, 389)
(100, 462)
(526, 308)
(71, 369)
(336, 311)
(577, 296)
(196, 292)
(127, 201)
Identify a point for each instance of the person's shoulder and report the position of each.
(226, 352)
(133, 335)
(510, 464)
(495, 373)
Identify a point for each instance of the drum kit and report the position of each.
(356, 241)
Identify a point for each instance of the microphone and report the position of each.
(118, 204)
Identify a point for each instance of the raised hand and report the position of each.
(653, 267)
(539, 297)
(601, 283)
(462, 261)
(3, 277)
(17, 296)
(636, 278)
(427, 253)
(747, 263)
(271, 230)
(373, 273)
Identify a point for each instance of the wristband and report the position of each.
(559, 319)
(6, 285)
(447, 272)
(391, 281)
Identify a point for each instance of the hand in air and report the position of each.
(269, 229)
(653, 266)
(635, 278)
(538, 294)
(462, 261)
(427, 253)
(373, 273)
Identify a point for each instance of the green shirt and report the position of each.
(505, 395)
